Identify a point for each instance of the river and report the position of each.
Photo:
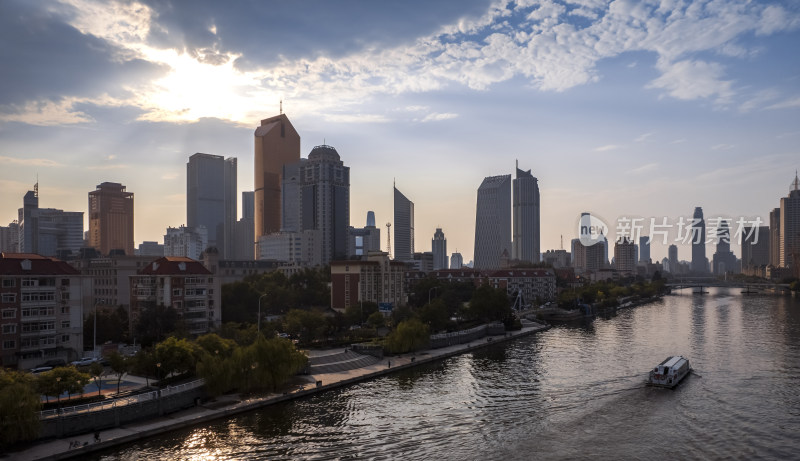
(572, 392)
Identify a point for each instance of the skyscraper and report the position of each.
(755, 246)
(111, 218)
(456, 261)
(699, 260)
(790, 226)
(644, 249)
(403, 227)
(47, 231)
(324, 197)
(625, 256)
(244, 231)
(361, 241)
(211, 199)
(276, 144)
(724, 260)
(439, 250)
(526, 217)
(493, 222)
(775, 237)
(673, 258)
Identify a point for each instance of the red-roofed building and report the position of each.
(533, 284)
(40, 310)
(184, 284)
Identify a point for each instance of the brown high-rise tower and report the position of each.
(276, 144)
(111, 218)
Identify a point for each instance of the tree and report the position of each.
(409, 336)
(376, 320)
(307, 325)
(276, 360)
(19, 406)
(60, 380)
(215, 344)
(112, 325)
(155, 323)
(95, 371)
(356, 314)
(119, 365)
(489, 304)
(175, 356)
(435, 315)
(217, 371)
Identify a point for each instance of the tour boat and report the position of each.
(669, 372)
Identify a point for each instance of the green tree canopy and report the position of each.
(489, 304)
(409, 336)
(19, 406)
(176, 356)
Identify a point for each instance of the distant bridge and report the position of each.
(713, 282)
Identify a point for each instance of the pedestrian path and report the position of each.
(230, 405)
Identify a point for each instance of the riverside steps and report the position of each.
(329, 370)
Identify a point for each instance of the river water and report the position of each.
(573, 392)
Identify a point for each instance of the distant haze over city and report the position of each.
(631, 109)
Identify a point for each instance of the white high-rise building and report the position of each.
(493, 222)
(526, 217)
(185, 241)
(403, 227)
(439, 250)
(456, 261)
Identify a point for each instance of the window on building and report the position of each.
(65, 324)
(9, 297)
(176, 292)
(9, 283)
(64, 338)
(9, 313)
(10, 329)
(9, 344)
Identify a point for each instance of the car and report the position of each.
(53, 363)
(86, 361)
(38, 370)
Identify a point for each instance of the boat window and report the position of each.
(666, 370)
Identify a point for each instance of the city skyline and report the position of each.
(612, 109)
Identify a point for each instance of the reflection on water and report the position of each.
(573, 392)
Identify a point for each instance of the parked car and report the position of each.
(53, 363)
(86, 361)
(38, 370)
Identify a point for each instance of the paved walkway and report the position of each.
(229, 405)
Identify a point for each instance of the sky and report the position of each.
(623, 109)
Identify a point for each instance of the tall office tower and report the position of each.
(47, 231)
(698, 233)
(590, 258)
(9, 238)
(244, 230)
(672, 252)
(790, 226)
(526, 217)
(439, 250)
(248, 205)
(211, 199)
(644, 249)
(360, 241)
(724, 260)
(276, 144)
(456, 261)
(290, 197)
(111, 218)
(625, 256)
(755, 246)
(493, 222)
(403, 227)
(324, 198)
(190, 242)
(775, 237)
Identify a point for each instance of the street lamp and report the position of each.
(259, 311)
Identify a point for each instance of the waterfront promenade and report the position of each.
(232, 404)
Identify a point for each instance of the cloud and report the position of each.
(691, 79)
(435, 117)
(643, 137)
(355, 118)
(607, 148)
(43, 162)
(786, 104)
(180, 61)
(722, 147)
(644, 168)
(108, 167)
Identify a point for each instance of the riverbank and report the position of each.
(233, 404)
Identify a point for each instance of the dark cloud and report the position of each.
(266, 31)
(45, 58)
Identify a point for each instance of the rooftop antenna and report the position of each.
(281, 106)
(389, 239)
(36, 187)
(562, 241)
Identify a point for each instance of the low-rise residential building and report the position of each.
(534, 285)
(182, 283)
(40, 310)
(376, 279)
